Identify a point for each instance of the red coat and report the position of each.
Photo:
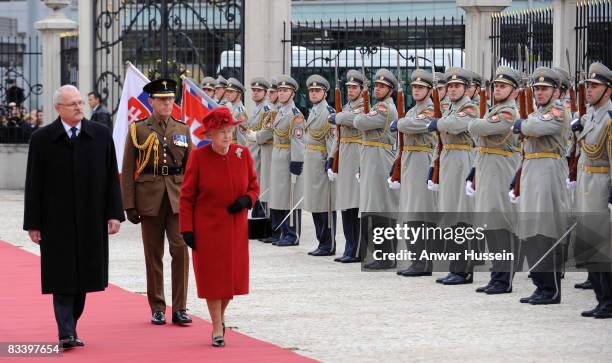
(213, 182)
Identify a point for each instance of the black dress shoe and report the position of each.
(180, 317)
(415, 271)
(285, 243)
(350, 259)
(67, 343)
(158, 318)
(527, 300)
(440, 280)
(268, 240)
(321, 252)
(604, 312)
(339, 259)
(498, 289)
(484, 288)
(590, 313)
(545, 300)
(380, 265)
(584, 285)
(458, 280)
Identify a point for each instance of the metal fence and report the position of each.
(523, 40)
(593, 40)
(399, 45)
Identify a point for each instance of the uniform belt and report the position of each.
(283, 146)
(316, 147)
(424, 149)
(457, 147)
(376, 144)
(494, 150)
(596, 169)
(163, 170)
(352, 139)
(529, 156)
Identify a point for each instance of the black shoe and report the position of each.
(458, 280)
(527, 300)
(286, 243)
(67, 343)
(340, 259)
(498, 289)
(440, 280)
(584, 285)
(180, 317)
(379, 265)
(604, 312)
(415, 271)
(158, 318)
(218, 341)
(590, 313)
(545, 300)
(79, 342)
(350, 259)
(484, 288)
(321, 252)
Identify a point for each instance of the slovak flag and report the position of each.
(133, 106)
(196, 104)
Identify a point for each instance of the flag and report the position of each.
(196, 104)
(133, 106)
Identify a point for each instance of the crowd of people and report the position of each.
(17, 123)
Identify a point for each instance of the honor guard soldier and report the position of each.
(543, 201)
(474, 88)
(455, 165)
(441, 79)
(273, 94)
(286, 185)
(233, 95)
(416, 204)
(495, 164)
(154, 160)
(319, 192)
(208, 86)
(220, 90)
(593, 193)
(347, 195)
(257, 122)
(376, 159)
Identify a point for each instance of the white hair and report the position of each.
(57, 95)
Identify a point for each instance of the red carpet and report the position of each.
(114, 325)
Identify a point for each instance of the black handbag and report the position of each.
(260, 228)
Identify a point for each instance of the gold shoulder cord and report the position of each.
(320, 133)
(596, 150)
(144, 150)
(282, 133)
(506, 136)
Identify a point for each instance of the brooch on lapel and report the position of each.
(239, 153)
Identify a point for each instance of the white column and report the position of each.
(564, 34)
(263, 32)
(51, 28)
(478, 31)
(86, 47)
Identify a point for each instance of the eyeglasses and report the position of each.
(73, 104)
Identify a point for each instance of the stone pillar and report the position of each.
(477, 32)
(86, 47)
(51, 28)
(564, 33)
(263, 32)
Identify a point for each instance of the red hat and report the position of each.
(217, 118)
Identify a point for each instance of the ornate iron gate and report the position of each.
(165, 38)
(593, 39)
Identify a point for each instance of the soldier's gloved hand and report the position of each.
(393, 184)
(189, 239)
(469, 189)
(471, 175)
(295, 167)
(251, 136)
(132, 215)
(517, 126)
(357, 176)
(571, 185)
(239, 204)
(332, 118)
(513, 199)
(513, 182)
(576, 125)
(430, 184)
(433, 125)
(328, 163)
(393, 126)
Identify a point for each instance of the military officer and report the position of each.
(156, 152)
(258, 121)
(474, 88)
(376, 158)
(416, 204)
(286, 182)
(319, 192)
(441, 86)
(273, 94)
(455, 165)
(233, 95)
(495, 165)
(543, 201)
(347, 196)
(220, 89)
(593, 191)
(208, 86)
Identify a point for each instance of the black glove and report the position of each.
(433, 125)
(239, 204)
(295, 167)
(430, 174)
(471, 175)
(517, 126)
(328, 163)
(189, 239)
(132, 215)
(576, 125)
(393, 127)
(332, 118)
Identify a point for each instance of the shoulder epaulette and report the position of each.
(331, 109)
(142, 119)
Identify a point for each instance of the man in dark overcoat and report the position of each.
(72, 203)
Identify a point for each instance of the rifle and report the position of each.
(573, 158)
(338, 105)
(483, 93)
(397, 165)
(524, 101)
(528, 91)
(366, 91)
(435, 178)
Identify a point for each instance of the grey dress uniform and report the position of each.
(238, 111)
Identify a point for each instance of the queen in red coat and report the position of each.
(219, 187)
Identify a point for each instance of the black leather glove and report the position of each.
(239, 204)
(393, 127)
(433, 125)
(295, 167)
(471, 175)
(430, 174)
(576, 125)
(332, 118)
(189, 239)
(517, 126)
(132, 215)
